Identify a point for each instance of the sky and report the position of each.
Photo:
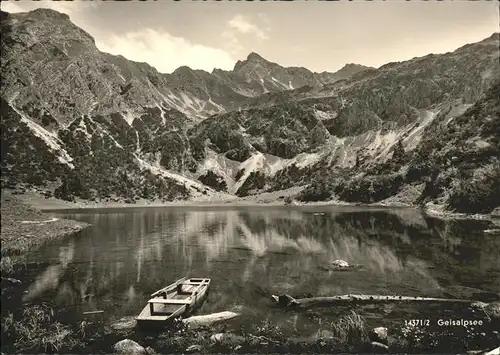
(321, 36)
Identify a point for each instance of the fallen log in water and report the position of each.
(93, 312)
(288, 301)
(208, 319)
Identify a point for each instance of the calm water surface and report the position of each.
(250, 253)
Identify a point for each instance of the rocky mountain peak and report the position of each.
(350, 69)
(350, 66)
(182, 70)
(255, 57)
(252, 59)
(48, 13)
(44, 25)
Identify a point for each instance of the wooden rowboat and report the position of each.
(175, 300)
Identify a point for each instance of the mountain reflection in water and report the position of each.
(251, 253)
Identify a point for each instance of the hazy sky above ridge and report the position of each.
(321, 36)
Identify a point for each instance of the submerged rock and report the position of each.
(129, 347)
(124, 323)
(340, 263)
(193, 348)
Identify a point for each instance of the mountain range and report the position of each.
(87, 124)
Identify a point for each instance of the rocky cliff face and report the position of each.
(455, 163)
(99, 125)
(82, 110)
(356, 122)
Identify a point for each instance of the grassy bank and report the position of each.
(35, 329)
(26, 228)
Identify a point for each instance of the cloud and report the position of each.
(11, 7)
(232, 42)
(265, 19)
(241, 24)
(164, 51)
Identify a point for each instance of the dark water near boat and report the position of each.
(251, 253)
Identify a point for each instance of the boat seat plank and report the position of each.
(170, 301)
(169, 287)
(154, 318)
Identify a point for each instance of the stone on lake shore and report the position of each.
(379, 335)
(129, 347)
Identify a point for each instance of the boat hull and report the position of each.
(179, 299)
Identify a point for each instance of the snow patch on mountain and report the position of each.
(50, 138)
(162, 114)
(114, 140)
(274, 164)
(280, 84)
(414, 135)
(137, 145)
(196, 188)
(307, 159)
(322, 115)
(220, 165)
(129, 117)
(191, 104)
(216, 105)
(457, 111)
(254, 163)
(82, 127)
(263, 86)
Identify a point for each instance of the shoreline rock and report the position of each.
(129, 347)
(379, 335)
